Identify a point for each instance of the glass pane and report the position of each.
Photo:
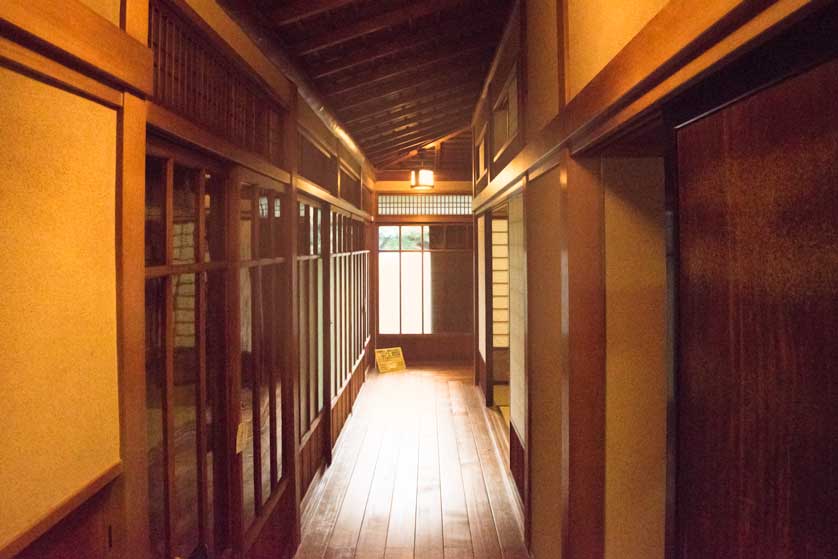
(333, 322)
(185, 219)
(302, 231)
(214, 216)
(277, 227)
(513, 106)
(246, 223)
(264, 387)
(155, 218)
(276, 376)
(216, 355)
(426, 241)
(320, 336)
(302, 271)
(389, 317)
(265, 248)
(313, 339)
(437, 236)
(388, 237)
(246, 333)
(411, 296)
(312, 231)
(184, 405)
(411, 237)
(318, 229)
(427, 293)
(155, 329)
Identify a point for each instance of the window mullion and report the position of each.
(201, 397)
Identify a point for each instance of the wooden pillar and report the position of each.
(130, 491)
(586, 262)
(326, 256)
(291, 380)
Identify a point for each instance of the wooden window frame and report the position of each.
(469, 249)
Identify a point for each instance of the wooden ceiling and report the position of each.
(397, 74)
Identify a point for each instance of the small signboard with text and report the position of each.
(390, 360)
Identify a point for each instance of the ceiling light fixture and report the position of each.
(423, 179)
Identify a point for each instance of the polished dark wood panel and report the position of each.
(758, 375)
(517, 461)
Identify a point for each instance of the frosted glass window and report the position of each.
(411, 288)
(389, 317)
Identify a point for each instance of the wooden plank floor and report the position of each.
(416, 474)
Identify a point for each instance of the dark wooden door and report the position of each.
(758, 303)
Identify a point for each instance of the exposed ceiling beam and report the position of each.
(420, 101)
(404, 152)
(390, 122)
(412, 125)
(450, 136)
(367, 26)
(413, 65)
(415, 131)
(429, 83)
(415, 139)
(296, 10)
(479, 25)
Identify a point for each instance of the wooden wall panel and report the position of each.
(311, 454)
(344, 402)
(431, 347)
(758, 379)
(275, 540)
(517, 461)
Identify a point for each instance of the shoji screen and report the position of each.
(481, 285)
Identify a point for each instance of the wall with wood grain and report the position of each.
(597, 31)
(635, 377)
(58, 340)
(108, 9)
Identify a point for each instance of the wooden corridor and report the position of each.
(416, 475)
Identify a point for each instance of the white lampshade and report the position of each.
(423, 179)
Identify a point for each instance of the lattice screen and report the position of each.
(424, 204)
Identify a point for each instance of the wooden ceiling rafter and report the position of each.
(393, 18)
(413, 151)
(410, 66)
(401, 76)
(483, 23)
(426, 99)
(416, 131)
(298, 10)
(466, 72)
(400, 128)
(394, 120)
(376, 153)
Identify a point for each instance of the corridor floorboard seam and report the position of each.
(416, 476)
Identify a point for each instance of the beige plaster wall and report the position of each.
(58, 312)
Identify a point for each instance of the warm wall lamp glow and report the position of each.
(423, 179)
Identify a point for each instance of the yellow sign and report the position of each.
(390, 360)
